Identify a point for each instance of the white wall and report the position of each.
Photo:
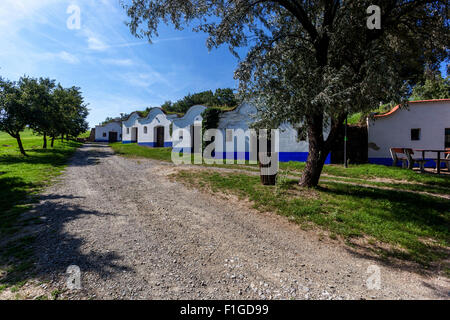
(102, 132)
(241, 118)
(127, 126)
(394, 130)
(192, 117)
(155, 118)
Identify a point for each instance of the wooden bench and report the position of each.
(411, 161)
(446, 160)
(398, 154)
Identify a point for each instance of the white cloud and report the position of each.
(96, 44)
(63, 56)
(118, 62)
(68, 57)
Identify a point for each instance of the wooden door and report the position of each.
(160, 137)
(112, 136)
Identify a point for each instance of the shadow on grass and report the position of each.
(48, 247)
(420, 224)
(50, 156)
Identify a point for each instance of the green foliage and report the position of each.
(211, 117)
(43, 106)
(224, 98)
(312, 62)
(433, 88)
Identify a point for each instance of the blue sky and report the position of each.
(116, 71)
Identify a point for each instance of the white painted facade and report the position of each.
(144, 130)
(398, 128)
(289, 148)
(130, 128)
(183, 127)
(103, 132)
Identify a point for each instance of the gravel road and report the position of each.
(136, 234)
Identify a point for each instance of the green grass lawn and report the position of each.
(416, 227)
(21, 178)
(361, 173)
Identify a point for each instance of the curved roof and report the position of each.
(393, 110)
(190, 115)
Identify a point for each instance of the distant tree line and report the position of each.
(220, 98)
(43, 106)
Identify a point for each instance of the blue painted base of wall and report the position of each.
(128, 141)
(388, 162)
(282, 156)
(104, 140)
(153, 144)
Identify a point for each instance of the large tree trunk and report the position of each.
(19, 142)
(317, 152)
(318, 148)
(62, 137)
(45, 141)
(53, 141)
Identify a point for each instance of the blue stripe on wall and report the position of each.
(153, 144)
(388, 162)
(282, 156)
(147, 144)
(126, 141)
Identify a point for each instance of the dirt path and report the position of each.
(137, 235)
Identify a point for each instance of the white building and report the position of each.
(290, 147)
(160, 130)
(151, 131)
(110, 132)
(423, 125)
(184, 127)
(130, 128)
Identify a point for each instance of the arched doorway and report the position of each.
(159, 133)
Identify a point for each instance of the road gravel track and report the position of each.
(137, 234)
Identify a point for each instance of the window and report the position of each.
(128, 130)
(415, 134)
(104, 134)
(145, 130)
(301, 134)
(447, 137)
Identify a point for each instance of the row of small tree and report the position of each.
(43, 106)
(219, 98)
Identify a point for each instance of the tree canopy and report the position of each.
(434, 87)
(43, 106)
(313, 62)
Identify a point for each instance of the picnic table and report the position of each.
(438, 152)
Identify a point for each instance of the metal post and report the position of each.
(345, 143)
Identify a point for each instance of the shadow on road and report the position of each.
(46, 249)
